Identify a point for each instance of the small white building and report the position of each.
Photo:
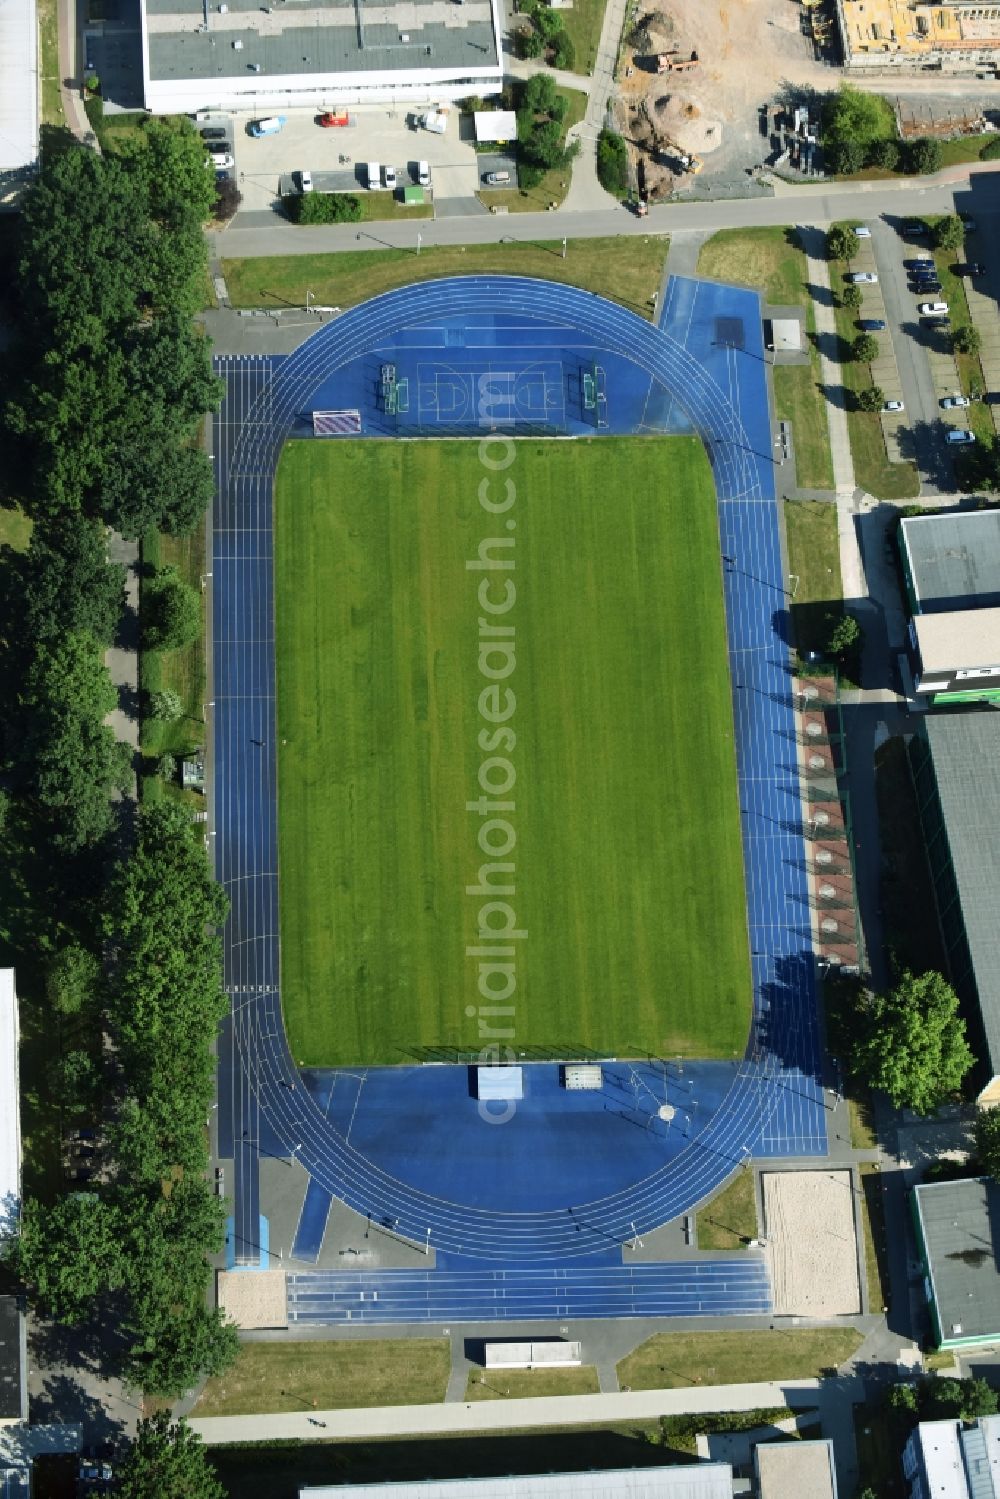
(316, 54)
(495, 125)
(946, 1460)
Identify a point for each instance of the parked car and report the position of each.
(952, 403)
(305, 182)
(920, 262)
(937, 322)
(968, 224)
(221, 161)
(871, 324)
(213, 133)
(390, 178)
(334, 117)
(423, 174)
(956, 435)
(868, 277)
(915, 227)
(496, 179)
(971, 268)
(922, 288)
(893, 406)
(931, 309)
(862, 231)
(270, 125)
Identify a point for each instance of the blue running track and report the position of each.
(702, 370)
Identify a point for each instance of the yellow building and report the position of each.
(952, 36)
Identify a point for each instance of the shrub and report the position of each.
(563, 52)
(967, 340)
(612, 162)
(853, 297)
(872, 399)
(923, 156)
(322, 208)
(842, 243)
(529, 44)
(171, 611)
(865, 348)
(165, 705)
(991, 150)
(845, 157)
(949, 232)
(884, 154)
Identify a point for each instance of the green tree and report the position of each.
(538, 96)
(74, 1080)
(872, 399)
(949, 232)
(563, 52)
(967, 339)
(842, 243)
(844, 158)
(166, 1461)
(64, 583)
(902, 1397)
(923, 156)
(865, 348)
(72, 977)
(68, 1254)
(171, 611)
(166, 767)
(71, 758)
(852, 115)
(884, 154)
(987, 1135)
(175, 1348)
(910, 1043)
(852, 297)
(845, 634)
(529, 43)
(158, 485)
(165, 705)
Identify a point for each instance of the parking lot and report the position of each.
(339, 155)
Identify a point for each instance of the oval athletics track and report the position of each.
(268, 1086)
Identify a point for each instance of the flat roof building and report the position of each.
(946, 1460)
(951, 570)
(10, 1106)
(13, 1362)
(316, 54)
(909, 36)
(699, 1481)
(956, 1226)
(18, 98)
(805, 1469)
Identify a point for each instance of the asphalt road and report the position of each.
(807, 204)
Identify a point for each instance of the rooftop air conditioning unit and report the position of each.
(237, 45)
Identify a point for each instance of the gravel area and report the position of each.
(253, 1298)
(811, 1244)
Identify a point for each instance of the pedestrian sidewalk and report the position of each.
(586, 194)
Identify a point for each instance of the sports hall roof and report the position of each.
(701, 1481)
(953, 559)
(960, 1224)
(10, 1111)
(18, 90)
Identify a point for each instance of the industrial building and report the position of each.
(322, 54)
(912, 36)
(19, 86)
(697, 1481)
(955, 1223)
(946, 1460)
(955, 760)
(951, 572)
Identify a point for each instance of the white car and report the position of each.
(931, 309)
(893, 406)
(956, 435)
(221, 161)
(951, 403)
(305, 182)
(862, 231)
(863, 276)
(390, 177)
(423, 174)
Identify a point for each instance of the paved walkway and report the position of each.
(527, 67)
(70, 74)
(121, 659)
(505, 1415)
(585, 193)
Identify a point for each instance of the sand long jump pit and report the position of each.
(812, 1247)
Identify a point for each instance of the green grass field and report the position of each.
(628, 875)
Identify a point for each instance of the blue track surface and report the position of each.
(706, 1288)
(702, 371)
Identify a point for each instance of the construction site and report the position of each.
(693, 76)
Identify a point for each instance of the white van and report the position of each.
(374, 176)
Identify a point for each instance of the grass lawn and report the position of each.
(15, 528)
(523, 1384)
(863, 1136)
(772, 260)
(814, 570)
(329, 1376)
(628, 270)
(673, 1361)
(48, 62)
(880, 1436)
(876, 1248)
(872, 469)
(909, 914)
(964, 148)
(730, 1219)
(628, 864)
(583, 21)
(555, 184)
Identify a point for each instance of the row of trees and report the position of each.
(541, 110)
(110, 385)
(859, 130)
(545, 36)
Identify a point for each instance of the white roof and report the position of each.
(942, 1454)
(699, 1481)
(496, 125)
(18, 85)
(10, 1110)
(499, 1082)
(786, 333)
(960, 638)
